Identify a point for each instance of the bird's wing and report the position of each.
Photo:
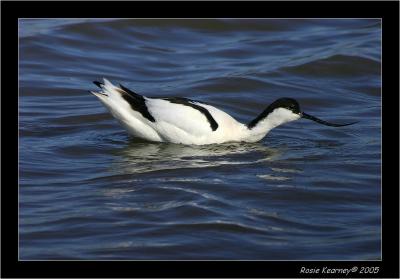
(191, 117)
(187, 115)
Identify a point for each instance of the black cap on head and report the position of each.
(287, 103)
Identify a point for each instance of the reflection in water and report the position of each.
(140, 157)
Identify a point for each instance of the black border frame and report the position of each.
(11, 11)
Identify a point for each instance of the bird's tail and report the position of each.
(110, 92)
(108, 89)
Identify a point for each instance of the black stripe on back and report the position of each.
(189, 103)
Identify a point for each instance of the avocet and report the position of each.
(185, 121)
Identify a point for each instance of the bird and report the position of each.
(184, 121)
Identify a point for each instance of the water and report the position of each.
(88, 190)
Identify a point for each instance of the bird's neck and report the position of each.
(260, 126)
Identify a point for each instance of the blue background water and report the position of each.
(88, 190)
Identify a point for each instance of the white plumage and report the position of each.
(180, 120)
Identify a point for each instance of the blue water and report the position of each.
(88, 190)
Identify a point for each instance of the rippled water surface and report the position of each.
(88, 190)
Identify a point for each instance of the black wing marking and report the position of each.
(130, 92)
(136, 101)
(189, 103)
(97, 83)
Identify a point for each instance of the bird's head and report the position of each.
(285, 110)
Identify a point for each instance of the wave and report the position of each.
(336, 66)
